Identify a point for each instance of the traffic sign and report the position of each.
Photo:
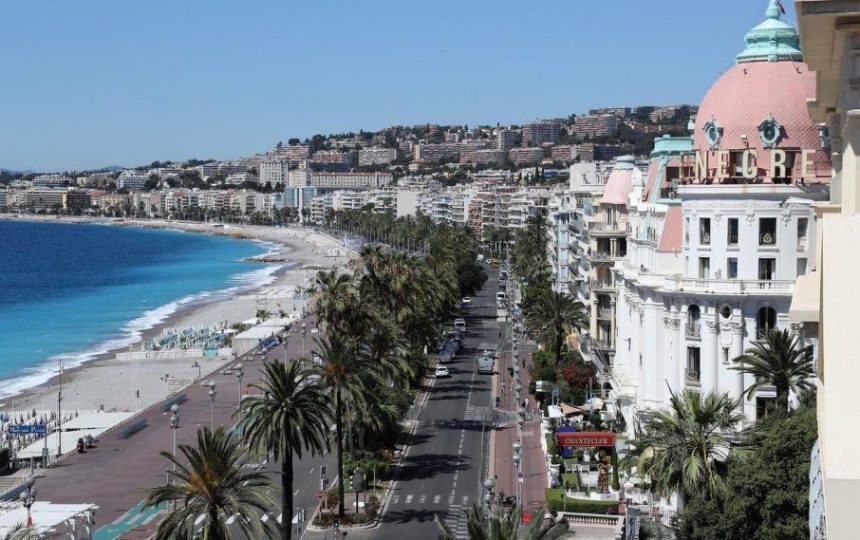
(25, 429)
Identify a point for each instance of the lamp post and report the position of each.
(517, 446)
(28, 497)
(489, 484)
(199, 372)
(304, 333)
(240, 373)
(212, 393)
(174, 425)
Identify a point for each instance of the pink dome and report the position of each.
(748, 94)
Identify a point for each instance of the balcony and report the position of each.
(600, 229)
(602, 286)
(761, 287)
(602, 344)
(603, 257)
(604, 313)
(691, 377)
(693, 331)
(767, 239)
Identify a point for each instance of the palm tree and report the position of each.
(210, 483)
(22, 532)
(778, 360)
(684, 449)
(349, 375)
(291, 414)
(554, 315)
(480, 527)
(334, 296)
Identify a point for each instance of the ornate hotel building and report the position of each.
(716, 234)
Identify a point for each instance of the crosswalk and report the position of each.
(456, 521)
(454, 509)
(476, 414)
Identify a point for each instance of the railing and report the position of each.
(603, 257)
(611, 228)
(598, 285)
(693, 330)
(132, 429)
(705, 239)
(732, 286)
(177, 400)
(604, 313)
(733, 239)
(692, 377)
(767, 239)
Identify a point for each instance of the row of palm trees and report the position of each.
(377, 321)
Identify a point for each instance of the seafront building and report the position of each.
(824, 301)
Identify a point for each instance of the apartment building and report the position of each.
(131, 180)
(350, 180)
(525, 156)
(537, 133)
(274, 172)
(429, 153)
(507, 139)
(297, 152)
(377, 155)
(598, 152)
(596, 125)
(52, 181)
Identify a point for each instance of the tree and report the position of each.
(769, 489)
(334, 297)
(290, 415)
(210, 483)
(684, 449)
(554, 315)
(780, 361)
(347, 373)
(481, 527)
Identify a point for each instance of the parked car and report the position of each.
(442, 371)
(486, 364)
(467, 300)
(460, 325)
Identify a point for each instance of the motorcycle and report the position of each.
(81, 446)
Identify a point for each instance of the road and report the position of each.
(444, 467)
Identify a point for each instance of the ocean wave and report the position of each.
(132, 332)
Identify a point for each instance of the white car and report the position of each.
(467, 300)
(460, 325)
(442, 371)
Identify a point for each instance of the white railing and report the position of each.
(731, 286)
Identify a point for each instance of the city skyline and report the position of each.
(65, 112)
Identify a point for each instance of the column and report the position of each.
(708, 363)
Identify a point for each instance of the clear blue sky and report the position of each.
(104, 82)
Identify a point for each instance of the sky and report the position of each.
(105, 82)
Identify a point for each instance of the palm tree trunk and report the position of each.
(782, 399)
(559, 339)
(339, 427)
(287, 497)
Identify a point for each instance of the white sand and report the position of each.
(109, 383)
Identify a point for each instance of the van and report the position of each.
(460, 325)
(501, 297)
(486, 364)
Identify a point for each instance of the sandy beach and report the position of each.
(108, 383)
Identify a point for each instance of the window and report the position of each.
(802, 226)
(704, 268)
(765, 321)
(687, 230)
(766, 269)
(767, 231)
(801, 266)
(732, 268)
(705, 231)
(693, 316)
(694, 366)
(733, 232)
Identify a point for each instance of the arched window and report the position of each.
(694, 314)
(765, 321)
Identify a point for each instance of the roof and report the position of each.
(673, 227)
(773, 40)
(620, 182)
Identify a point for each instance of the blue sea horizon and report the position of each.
(70, 292)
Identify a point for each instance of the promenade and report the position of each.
(116, 474)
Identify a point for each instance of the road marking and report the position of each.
(437, 499)
(422, 499)
(231, 519)
(408, 499)
(265, 518)
(199, 519)
(296, 493)
(312, 470)
(465, 500)
(395, 499)
(280, 516)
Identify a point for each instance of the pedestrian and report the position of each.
(504, 388)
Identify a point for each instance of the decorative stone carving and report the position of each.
(712, 326)
(786, 216)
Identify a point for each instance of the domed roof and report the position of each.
(760, 103)
(622, 179)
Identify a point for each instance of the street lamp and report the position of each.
(304, 333)
(174, 425)
(28, 497)
(212, 393)
(489, 484)
(240, 373)
(197, 365)
(517, 446)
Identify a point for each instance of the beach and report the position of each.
(106, 383)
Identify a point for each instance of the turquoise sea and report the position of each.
(72, 291)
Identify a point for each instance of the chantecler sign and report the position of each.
(586, 439)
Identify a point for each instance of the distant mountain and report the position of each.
(13, 172)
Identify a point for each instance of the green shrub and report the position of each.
(556, 503)
(551, 446)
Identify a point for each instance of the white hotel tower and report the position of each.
(720, 231)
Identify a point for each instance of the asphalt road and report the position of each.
(444, 467)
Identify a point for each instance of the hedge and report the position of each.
(555, 503)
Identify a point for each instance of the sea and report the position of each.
(70, 292)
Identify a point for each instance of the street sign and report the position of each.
(584, 439)
(23, 429)
(520, 477)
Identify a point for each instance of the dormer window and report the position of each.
(713, 133)
(770, 132)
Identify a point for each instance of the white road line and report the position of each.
(265, 518)
(312, 470)
(422, 499)
(395, 499)
(296, 493)
(465, 500)
(199, 519)
(437, 499)
(231, 519)
(408, 499)
(280, 516)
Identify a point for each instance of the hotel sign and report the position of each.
(779, 164)
(584, 439)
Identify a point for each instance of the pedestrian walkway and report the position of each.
(533, 461)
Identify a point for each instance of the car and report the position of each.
(467, 300)
(501, 297)
(442, 371)
(460, 325)
(486, 364)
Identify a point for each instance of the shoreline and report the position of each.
(104, 382)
